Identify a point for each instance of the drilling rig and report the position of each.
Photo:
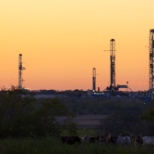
(151, 60)
(20, 68)
(113, 87)
(112, 50)
(112, 65)
(94, 80)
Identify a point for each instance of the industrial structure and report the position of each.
(113, 87)
(151, 60)
(112, 64)
(112, 50)
(94, 80)
(20, 68)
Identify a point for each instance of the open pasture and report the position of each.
(55, 146)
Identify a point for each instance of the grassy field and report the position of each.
(54, 146)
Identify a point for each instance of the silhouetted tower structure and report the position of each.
(112, 64)
(94, 79)
(151, 59)
(21, 68)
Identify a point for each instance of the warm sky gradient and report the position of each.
(62, 40)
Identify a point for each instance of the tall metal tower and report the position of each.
(112, 64)
(94, 79)
(151, 60)
(20, 72)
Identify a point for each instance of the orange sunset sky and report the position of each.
(62, 40)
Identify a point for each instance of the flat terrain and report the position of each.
(85, 121)
(55, 146)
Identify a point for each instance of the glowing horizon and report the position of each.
(61, 41)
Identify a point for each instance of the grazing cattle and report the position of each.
(85, 138)
(145, 140)
(94, 139)
(102, 139)
(71, 139)
(111, 139)
(123, 140)
(120, 140)
(138, 140)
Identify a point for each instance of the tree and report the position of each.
(25, 116)
(69, 127)
(121, 123)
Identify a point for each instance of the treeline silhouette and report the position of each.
(22, 115)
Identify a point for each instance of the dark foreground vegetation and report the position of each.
(28, 125)
(55, 146)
